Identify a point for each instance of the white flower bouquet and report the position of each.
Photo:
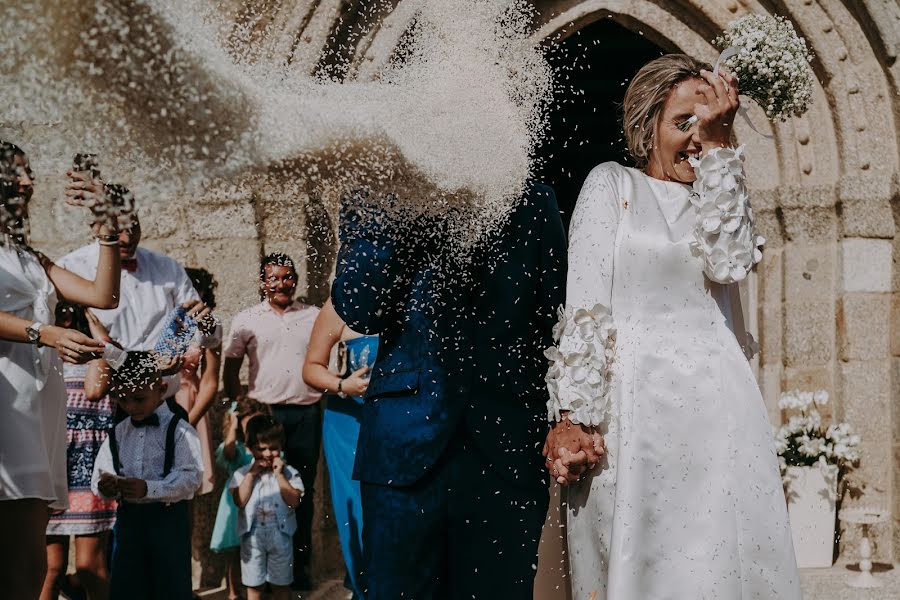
(804, 441)
(771, 63)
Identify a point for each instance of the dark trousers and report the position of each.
(303, 441)
(460, 532)
(152, 556)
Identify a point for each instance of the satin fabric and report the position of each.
(340, 434)
(688, 502)
(32, 392)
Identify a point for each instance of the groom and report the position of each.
(453, 489)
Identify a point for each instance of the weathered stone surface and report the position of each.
(866, 265)
(795, 196)
(811, 225)
(226, 221)
(809, 333)
(870, 218)
(864, 326)
(810, 272)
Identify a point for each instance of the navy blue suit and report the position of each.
(453, 485)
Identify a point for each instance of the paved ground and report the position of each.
(818, 584)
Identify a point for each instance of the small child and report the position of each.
(266, 491)
(151, 462)
(231, 455)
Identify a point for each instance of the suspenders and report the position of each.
(170, 445)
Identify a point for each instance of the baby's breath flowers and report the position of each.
(805, 441)
(771, 63)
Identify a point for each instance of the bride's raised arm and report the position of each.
(579, 373)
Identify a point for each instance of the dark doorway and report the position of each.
(593, 67)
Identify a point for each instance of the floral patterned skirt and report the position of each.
(87, 424)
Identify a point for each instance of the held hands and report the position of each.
(571, 450)
(357, 383)
(716, 117)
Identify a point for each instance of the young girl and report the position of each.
(267, 491)
(89, 416)
(231, 455)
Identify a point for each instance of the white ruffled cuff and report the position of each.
(724, 235)
(580, 365)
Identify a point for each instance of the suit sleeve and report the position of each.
(552, 287)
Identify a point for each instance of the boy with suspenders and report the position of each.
(151, 462)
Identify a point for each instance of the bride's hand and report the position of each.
(571, 449)
(716, 117)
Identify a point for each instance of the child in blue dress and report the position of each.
(231, 455)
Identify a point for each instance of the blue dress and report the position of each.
(340, 431)
(225, 535)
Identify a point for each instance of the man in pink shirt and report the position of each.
(274, 335)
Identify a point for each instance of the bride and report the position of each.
(650, 377)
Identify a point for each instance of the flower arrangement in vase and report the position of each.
(815, 460)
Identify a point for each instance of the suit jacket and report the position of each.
(461, 343)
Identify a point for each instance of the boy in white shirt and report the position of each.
(151, 462)
(266, 492)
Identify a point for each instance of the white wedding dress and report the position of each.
(688, 502)
(32, 391)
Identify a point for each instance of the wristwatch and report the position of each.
(34, 332)
(340, 389)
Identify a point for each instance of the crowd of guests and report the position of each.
(110, 359)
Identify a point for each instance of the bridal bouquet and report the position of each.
(771, 62)
(803, 441)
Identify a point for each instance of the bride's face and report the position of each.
(675, 141)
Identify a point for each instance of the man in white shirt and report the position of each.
(274, 335)
(152, 286)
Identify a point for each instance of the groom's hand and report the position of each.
(571, 449)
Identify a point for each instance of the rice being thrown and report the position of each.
(176, 99)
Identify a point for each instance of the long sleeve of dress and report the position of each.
(724, 236)
(579, 373)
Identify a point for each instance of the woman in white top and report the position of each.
(32, 393)
(686, 501)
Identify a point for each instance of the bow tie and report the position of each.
(129, 264)
(148, 421)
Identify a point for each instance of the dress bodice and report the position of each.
(659, 281)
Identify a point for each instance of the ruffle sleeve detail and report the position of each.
(724, 235)
(580, 364)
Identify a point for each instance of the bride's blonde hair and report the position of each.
(645, 97)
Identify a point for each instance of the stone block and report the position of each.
(810, 272)
(865, 405)
(223, 222)
(235, 266)
(895, 401)
(809, 333)
(895, 324)
(866, 188)
(806, 197)
(871, 218)
(864, 326)
(814, 378)
(811, 225)
(770, 387)
(866, 265)
(768, 225)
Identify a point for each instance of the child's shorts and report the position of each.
(266, 555)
